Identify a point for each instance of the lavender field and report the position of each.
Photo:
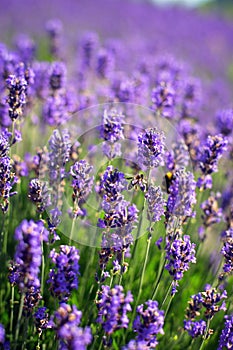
(116, 176)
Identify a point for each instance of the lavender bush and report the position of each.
(116, 181)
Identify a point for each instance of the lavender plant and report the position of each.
(116, 180)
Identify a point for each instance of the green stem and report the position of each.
(167, 294)
(19, 318)
(72, 230)
(143, 271)
(12, 311)
(205, 336)
(162, 263)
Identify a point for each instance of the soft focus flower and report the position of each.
(113, 306)
(155, 202)
(226, 337)
(66, 322)
(63, 277)
(151, 148)
(148, 323)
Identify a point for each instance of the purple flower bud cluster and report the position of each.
(227, 252)
(7, 176)
(148, 324)
(57, 76)
(112, 183)
(17, 87)
(88, 47)
(54, 29)
(113, 306)
(38, 193)
(191, 98)
(180, 252)
(151, 148)
(136, 345)
(82, 184)
(226, 337)
(26, 48)
(211, 302)
(163, 99)
(65, 322)
(156, 203)
(210, 154)
(195, 328)
(182, 194)
(178, 157)
(2, 334)
(105, 63)
(111, 131)
(30, 236)
(41, 319)
(63, 277)
(211, 212)
(224, 121)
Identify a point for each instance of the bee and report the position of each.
(137, 181)
(169, 177)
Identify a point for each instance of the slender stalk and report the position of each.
(72, 230)
(143, 271)
(12, 311)
(162, 263)
(206, 334)
(167, 294)
(19, 319)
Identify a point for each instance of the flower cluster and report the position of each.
(38, 193)
(113, 306)
(163, 99)
(65, 322)
(41, 319)
(211, 302)
(151, 148)
(210, 155)
(224, 121)
(182, 194)
(17, 86)
(63, 277)
(155, 202)
(226, 338)
(180, 252)
(148, 324)
(30, 236)
(81, 183)
(227, 252)
(7, 176)
(111, 131)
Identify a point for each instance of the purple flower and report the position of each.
(41, 319)
(195, 328)
(82, 184)
(182, 194)
(105, 63)
(2, 334)
(54, 29)
(30, 236)
(180, 252)
(111, 131)
(39, 194)
(151, 148)
(148, 323)
(211, 212)
(63, 277)
(113, 306)
(227, 252)
(211, 152)
(17, 86)
(178, 157)
(163, 99)
(226, 337)
(89, 43)
(112, 183)
(155, 202)
(66, 322)
(224, 121)
(7, 176)
(57, 76)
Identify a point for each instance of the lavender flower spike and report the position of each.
(63, 277)
(148, 323)
(151, 148)
(226, 338)
(113, 307)
(156, 203)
